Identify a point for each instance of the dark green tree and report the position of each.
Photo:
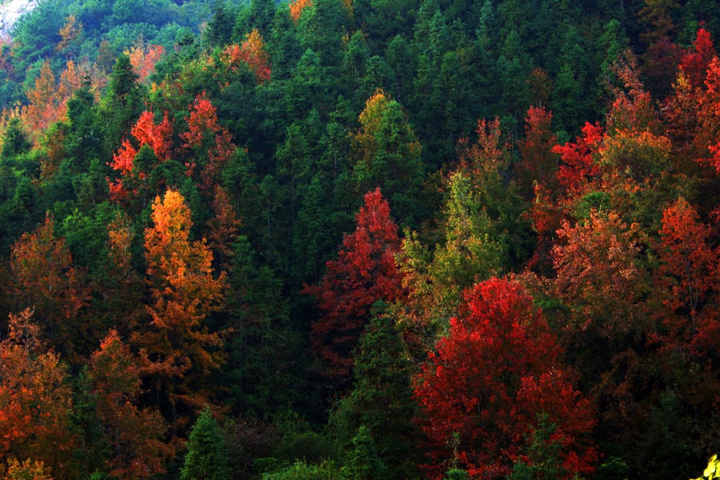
(381, 403)
(15, 141)
(219, 30)
(123, 103)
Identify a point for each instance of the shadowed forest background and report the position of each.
(360, 239)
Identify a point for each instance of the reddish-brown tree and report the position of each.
(539, 162)
(45, 279)
(133, 434)
(598, 274)
(687, 272)
(210, 144)
(223, 228)
(364, 272)
(491, 378)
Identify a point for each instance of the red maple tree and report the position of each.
(364, 272)
(491, 378)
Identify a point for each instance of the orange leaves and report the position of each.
(69, 33)
(297, 7)
(689, 266)
(143, 58)
(597, 271)
(35, 398)
(45, 278)
(251, 52)
(47, 101)
(183, 292)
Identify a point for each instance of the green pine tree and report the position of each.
(207, 457)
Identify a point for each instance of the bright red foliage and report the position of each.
(364, 272)
(146, 132)
(491, 377)
(578, 168)
(695, 62)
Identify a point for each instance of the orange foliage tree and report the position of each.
(144, 58)
(35, 399)
(47, 101)
(178, 347)
(297, 7)
(253, 53)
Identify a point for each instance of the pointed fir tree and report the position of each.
(381, 403)
(207, 456)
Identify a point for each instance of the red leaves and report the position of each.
(688, 272)
(491, 377)
(364, 273)
(211, 143)
(158, 137)
(578, 167)
(146, 132)
(694, 64)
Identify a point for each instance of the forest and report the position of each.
(360, 240)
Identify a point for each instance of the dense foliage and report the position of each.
(352, 239)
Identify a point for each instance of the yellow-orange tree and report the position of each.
(179, 348)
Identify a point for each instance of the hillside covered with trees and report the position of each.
(360, 239)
